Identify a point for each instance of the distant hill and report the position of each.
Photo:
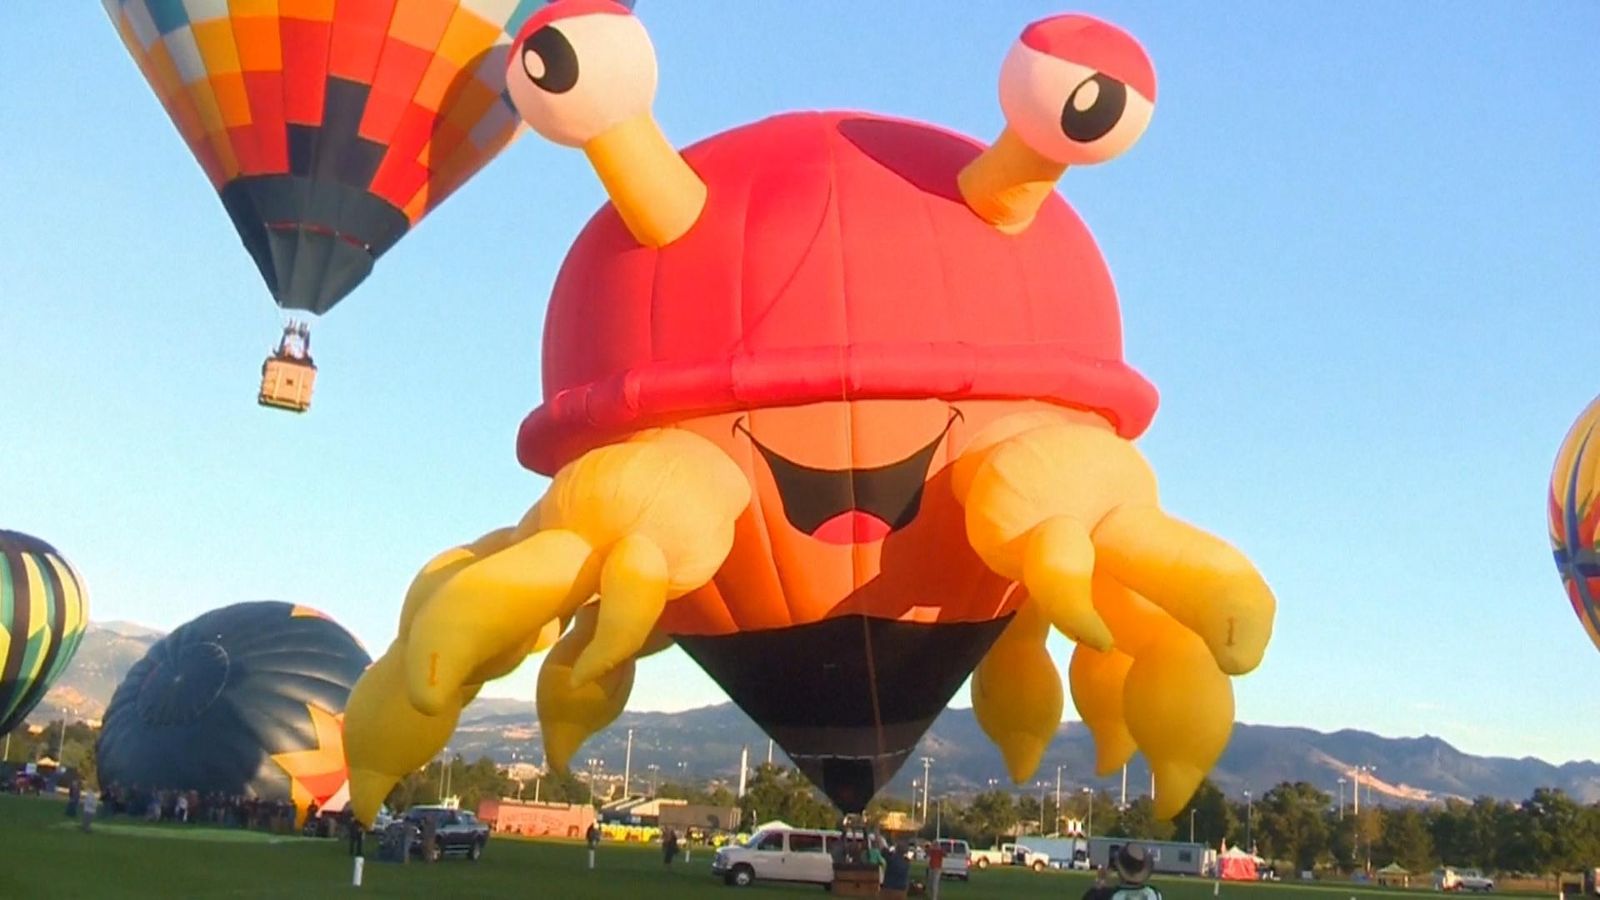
(705, 743)
(106, 654)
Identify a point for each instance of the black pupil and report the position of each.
(560, 60)
(1084, 125)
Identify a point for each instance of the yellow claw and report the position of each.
(1033, 502)
(1016, 692)
(1199, 579)
(1179, 708)
(672, 486)
(1057, 570)
(385, 737)
(1097, 679)
(439, 569)
(633, 593)
(488, 609)
(568, 715)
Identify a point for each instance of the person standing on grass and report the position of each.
(669, 846)
(896, 873)
(87, 805)
(357, 833)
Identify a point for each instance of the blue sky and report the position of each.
(1356, 251)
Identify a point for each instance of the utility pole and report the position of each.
(926, 762)
(744, 767)
(1124, 803)
(769, 751)
(1341, 798)
(627, 768)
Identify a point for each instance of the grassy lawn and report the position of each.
(45, 856)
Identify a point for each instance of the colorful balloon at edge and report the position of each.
(1575, 518)
(44, 608)
(329, 130)
(835, 402)
(246, 700)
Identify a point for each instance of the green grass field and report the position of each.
(46, 856)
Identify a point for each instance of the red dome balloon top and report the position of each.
(835, 259)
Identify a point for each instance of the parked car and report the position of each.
(457, 833)
(957, 859)
(1451, 879)
(800, 855)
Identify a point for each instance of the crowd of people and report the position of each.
(197, 807)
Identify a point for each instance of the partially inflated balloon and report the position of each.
(329, 129)
(1575, 518)
(43, 611)
(247, 700)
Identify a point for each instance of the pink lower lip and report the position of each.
(852, 527)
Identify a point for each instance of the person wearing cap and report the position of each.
(1133, 865)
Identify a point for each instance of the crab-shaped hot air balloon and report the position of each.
(837, 403)
(328, 129)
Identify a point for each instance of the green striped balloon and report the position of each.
(43, 610)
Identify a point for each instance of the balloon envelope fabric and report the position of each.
(329, 129)
(1575, 518)
(247, 700)
(44, 608)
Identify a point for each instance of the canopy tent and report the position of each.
(1394, 873)
(1236, 865)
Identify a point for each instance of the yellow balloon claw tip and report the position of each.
(1175, 785)
(1022, 753)
(368, 790)
(561, 742)
(1111, 754)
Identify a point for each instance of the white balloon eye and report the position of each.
(1067, 111)
(578, 76)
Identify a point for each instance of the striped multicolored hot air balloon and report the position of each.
(329, 128)
(43, 608)
(1575, 518)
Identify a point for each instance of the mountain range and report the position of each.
(706, 743)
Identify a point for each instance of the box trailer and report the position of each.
(1171, 857)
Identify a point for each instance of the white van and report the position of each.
(797, 854)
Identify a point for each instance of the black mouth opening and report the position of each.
(812, 496)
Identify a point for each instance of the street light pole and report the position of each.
(926, 762)
(627, 768)
(1088, 827)
(1191, 824)
(1056, 822)
(1341, 798)
(1249, 818)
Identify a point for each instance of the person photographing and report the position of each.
(1133, 866)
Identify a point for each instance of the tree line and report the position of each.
(1295, 825)
(1299, 827)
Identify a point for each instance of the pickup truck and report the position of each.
(994, 856)
(1464, 880)
(1010, 855)
(458, 833)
